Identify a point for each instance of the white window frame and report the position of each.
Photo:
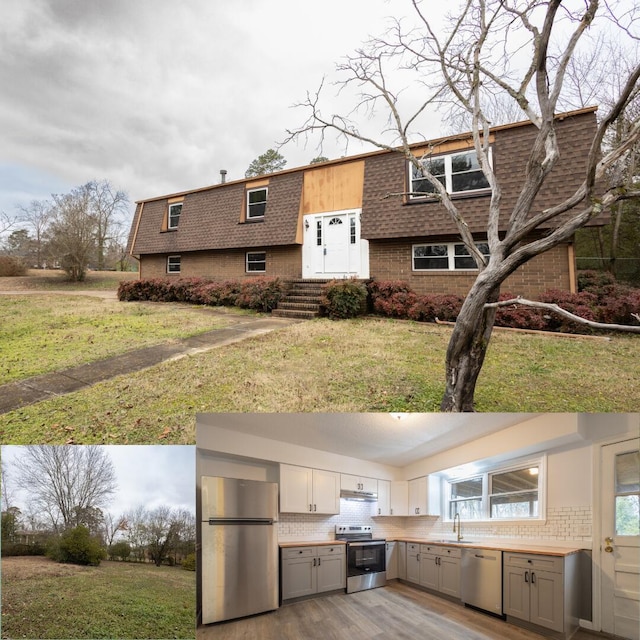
(486, 475)
(451, 256)
(448, 175)
(179, 263)
(254, 261)
(174, 226)
(266, 198)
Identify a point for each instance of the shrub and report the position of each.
(343, 299)
(429, 307)
(520, 317)
(216, 294)
(120, 550)
(12, 266)
(262, 294)
(580, 304)
(76, 546)
(591, 280)
(189, 562)
(20, 549)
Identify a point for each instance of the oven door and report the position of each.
(366, 565)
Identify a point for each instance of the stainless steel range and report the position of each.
(366, 557)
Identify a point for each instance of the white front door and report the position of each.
(332, 246)
(620, 544)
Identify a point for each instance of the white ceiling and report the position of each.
(377, 437)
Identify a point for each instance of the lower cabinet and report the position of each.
(309, 570)
(534, 589)
(392, 552)
(440, 569)
(413, 563)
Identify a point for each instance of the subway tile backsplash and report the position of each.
(570, 524)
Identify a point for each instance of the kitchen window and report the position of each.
(256, 203)
(173, 264)
(512, 493)
(256, 261)
(174, 215)
(446, 257)
(457, 172)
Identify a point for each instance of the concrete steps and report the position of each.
(302, 300)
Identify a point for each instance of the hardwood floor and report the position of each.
(396, 611)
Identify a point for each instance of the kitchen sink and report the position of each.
(454, 541)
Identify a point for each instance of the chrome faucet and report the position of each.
(457, 516)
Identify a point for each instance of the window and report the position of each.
(319, 233)
(458, 173)
(498, 494)
(256, 203)
(452, 256)
(628, 494)
(174, 215)
(173, 264)
(257, 261)
(352, 231)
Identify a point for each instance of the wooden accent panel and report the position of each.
(174, 200)
(333, 188)
(254, 184)
(447, 146)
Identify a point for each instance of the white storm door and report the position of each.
(620, 544)
(336, 244)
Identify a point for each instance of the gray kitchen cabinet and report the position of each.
(440, 569)
(309, 570)
(536, 589)
(402, 559)
(413, 562)
(392, 560)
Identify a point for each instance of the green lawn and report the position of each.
(43, 599)
(40, 333)
(348, 366)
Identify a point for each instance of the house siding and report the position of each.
(392, 260)
(284, 262)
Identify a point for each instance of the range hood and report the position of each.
(360, 496)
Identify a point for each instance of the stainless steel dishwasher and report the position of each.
(481, 578)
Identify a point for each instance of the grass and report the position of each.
(43, 599)
(324, 366)
(41, 333)
(49, 280)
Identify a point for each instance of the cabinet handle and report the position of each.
(418, 557)
(526, 576)
(319, 561)
(310, 507)
(314, 562)
(533, 577)
(379, 510)
(315, 508)
(391, 511)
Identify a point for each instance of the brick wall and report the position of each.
(393, 261)
(285, 262)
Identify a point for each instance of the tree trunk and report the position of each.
(468, 345)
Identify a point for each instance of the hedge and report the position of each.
(261, 293)
(343, 299)
(600, 299)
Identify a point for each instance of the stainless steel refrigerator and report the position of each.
(239, 570)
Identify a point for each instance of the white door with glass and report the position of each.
(332, 246)
(620, 544)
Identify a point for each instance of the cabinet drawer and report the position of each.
(554, 564)
(437, 550)
(299, 552)
(412, 547)
(331, 551)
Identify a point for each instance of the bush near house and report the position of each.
(189, 562)
(261, 293)
(22, 549)
(343, 299)
(599, 298)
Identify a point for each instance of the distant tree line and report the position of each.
(85, 228)
(66, 518)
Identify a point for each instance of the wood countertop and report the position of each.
(309, 543)
(523, 547)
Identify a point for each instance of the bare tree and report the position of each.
(466, 67)
(108, 206)
(136, 531)
(8, 493)
(162, 532)
(6, 222)
(66, 482)
(112, 525)
(37, 216)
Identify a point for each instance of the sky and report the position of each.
(148, 475)
(158, 96)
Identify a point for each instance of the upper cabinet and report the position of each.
(304, 490)
(424, 496)
(357, 483)
(393, 498)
